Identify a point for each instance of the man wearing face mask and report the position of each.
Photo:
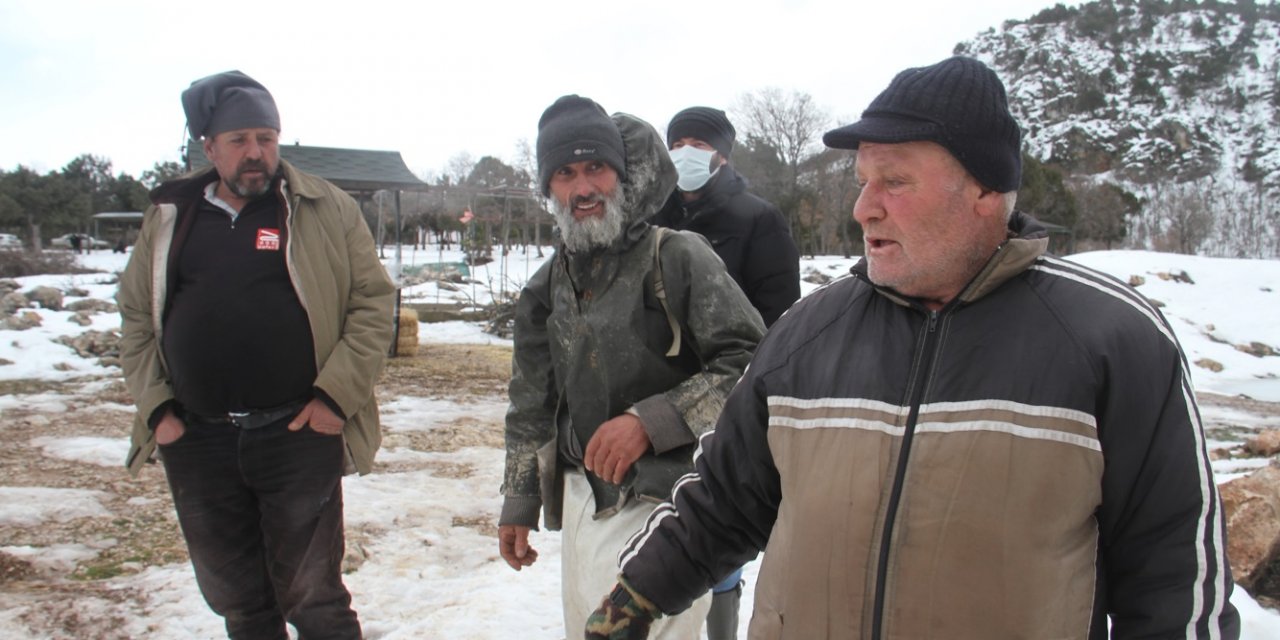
(747, 232)
(750, 236)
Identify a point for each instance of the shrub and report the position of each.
(16, 264)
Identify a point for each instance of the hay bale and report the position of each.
(408, 322)
(407, 346)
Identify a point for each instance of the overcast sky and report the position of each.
(435, 79)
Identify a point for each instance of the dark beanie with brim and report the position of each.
(709, 125)
(576, 129)
(958, 103)
(228, 101)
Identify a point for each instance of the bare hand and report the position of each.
(513, 544)
(170, 428)
(617, 444)
(321, 418)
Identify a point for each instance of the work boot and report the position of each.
(722, 620)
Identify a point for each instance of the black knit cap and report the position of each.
(574, 129)
(958, 103)
(228, 101)
(706, 124)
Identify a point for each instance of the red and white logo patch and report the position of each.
(268, 239)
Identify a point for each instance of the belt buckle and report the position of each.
(234, 417)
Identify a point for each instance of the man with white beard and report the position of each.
(626, 343)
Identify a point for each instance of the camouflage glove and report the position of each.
(624, 615)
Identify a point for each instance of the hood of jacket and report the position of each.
(651, 176)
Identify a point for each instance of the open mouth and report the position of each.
(587, 208)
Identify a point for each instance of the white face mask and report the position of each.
(693, 166)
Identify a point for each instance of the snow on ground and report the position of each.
(29, 506)
(432, 570)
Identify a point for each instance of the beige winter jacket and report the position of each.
(335, 270)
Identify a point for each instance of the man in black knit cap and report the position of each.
(626, 343)
(256, 317)
(711, 198)
(967, 438)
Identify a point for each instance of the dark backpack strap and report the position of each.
(660, 290)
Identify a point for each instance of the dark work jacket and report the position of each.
(591, 339)
(1025, 462)
(750, 236)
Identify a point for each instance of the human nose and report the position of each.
(867, 207)
(583, 187)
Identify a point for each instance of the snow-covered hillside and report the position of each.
(1151, 95)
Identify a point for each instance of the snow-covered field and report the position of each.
(428, 576)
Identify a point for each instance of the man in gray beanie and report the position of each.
(967, 438)
(626, 343)
(256, 317)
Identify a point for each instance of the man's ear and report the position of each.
(989, 203)
(208, 147)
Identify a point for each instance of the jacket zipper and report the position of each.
(899, 476)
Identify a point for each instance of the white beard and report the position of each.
(581, 236)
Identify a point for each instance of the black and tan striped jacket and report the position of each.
(1023, 463)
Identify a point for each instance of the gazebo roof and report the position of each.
(356, 171)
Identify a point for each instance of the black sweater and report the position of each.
(750, 236)
(236, 336)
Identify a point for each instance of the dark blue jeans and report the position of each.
(261, 511)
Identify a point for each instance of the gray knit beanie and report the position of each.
(574, 129)
(228, 101)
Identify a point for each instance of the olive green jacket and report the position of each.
(341, 284)
(591, 342)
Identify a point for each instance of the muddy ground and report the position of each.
(144, 527)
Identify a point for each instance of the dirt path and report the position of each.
(143, 530)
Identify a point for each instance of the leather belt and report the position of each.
(248, 420)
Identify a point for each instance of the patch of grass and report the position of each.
(98, 572)
(31, 386)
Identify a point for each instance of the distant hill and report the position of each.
(1177, 103)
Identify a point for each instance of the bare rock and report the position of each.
(1155, 303)
(92, 305)
(94, 344)
(46, 298)
(12, 301)
(813, 276)
(1252, 508)
(1265, 444)
(1256, 349)
(81, 318)
(77, 292)
(1210, 364)
(1137, 281)
(8, 286)
(4, 362)
(22, 321)
(1176, 276)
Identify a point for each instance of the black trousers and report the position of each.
(261, 511)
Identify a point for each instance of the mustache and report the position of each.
(590, 200)
(251, 165)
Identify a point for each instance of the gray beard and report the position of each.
(581, 236)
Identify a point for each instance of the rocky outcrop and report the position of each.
(46, 298)
(1252, 508)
